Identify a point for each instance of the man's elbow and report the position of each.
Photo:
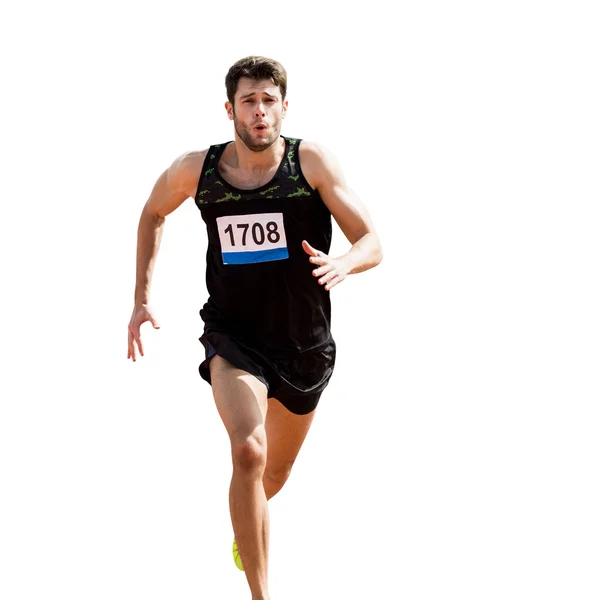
(377, 251)
(151, 214)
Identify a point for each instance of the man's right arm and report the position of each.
(172, 188)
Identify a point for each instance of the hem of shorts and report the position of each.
(317, 388)
(291, 405)
(204, 367)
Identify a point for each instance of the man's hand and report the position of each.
(331, 270)
(140, 315)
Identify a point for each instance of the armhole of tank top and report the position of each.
(205, 164)
(299, 167)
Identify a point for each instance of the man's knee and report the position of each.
(249, 453)
(279, 472)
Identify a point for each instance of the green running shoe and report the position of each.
(236, 557)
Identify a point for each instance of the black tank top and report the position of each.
(259, 278)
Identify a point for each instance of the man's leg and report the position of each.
(286, 433)
(241, 400)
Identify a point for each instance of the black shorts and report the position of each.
(295, 379)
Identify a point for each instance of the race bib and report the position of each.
(252, 238)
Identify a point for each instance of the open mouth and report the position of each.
(260, 127)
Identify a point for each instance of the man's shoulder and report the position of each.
(309, 147)
(185, 170)
(316, 160)
(190, 160)
(316, 152)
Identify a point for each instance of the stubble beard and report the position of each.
(245, 134)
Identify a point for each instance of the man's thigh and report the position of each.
(240, 398)
(286, 433)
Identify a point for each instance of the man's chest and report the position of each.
(245, 180)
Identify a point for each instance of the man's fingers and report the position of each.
(139, 343)
(130, 345)
(333, 282)
(328, 277)
(310, 250)
(322, 270)
(135, 338)
(133, 332)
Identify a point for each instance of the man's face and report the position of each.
(257, 112)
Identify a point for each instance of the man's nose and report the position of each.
(260, 110)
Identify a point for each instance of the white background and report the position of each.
(455, 453)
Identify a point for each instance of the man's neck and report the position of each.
(246, 160)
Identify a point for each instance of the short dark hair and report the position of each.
(256, 67)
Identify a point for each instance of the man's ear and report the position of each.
(285, 107)
(229, 109)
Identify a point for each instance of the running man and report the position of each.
(267, 201)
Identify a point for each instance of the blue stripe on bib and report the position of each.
(240, 258)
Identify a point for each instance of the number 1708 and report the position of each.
(257, 232)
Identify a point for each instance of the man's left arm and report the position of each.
(324, 174)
